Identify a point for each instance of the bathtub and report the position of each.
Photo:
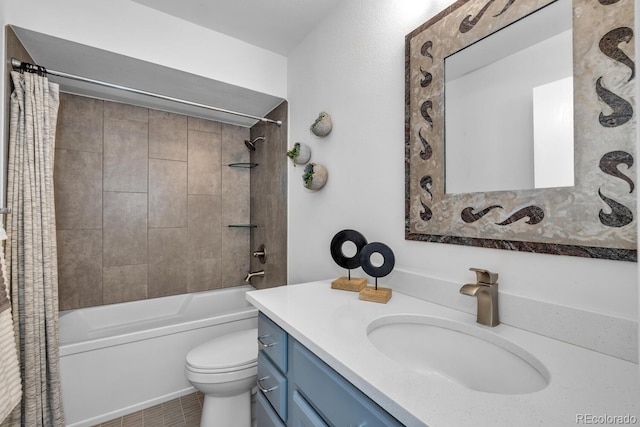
(121, 358)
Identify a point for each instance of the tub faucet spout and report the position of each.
(252, 274)
(486, 291)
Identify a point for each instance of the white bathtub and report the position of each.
(120, 358)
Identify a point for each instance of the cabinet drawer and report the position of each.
(303, 415)
(265, 415)
(273, 385)
(272, 341)
(332, 395)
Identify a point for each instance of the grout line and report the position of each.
(184, 418)
(147, 213)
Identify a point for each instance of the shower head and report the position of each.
(251, 145)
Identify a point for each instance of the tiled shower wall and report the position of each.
(269, 199)
(143, 203)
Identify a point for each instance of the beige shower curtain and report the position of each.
(31, 249)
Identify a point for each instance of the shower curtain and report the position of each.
(10, 382)
(31, 254)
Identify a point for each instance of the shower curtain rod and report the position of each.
(25, 66)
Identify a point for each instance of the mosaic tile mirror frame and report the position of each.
(596, 217)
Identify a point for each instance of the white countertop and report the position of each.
(333, 324)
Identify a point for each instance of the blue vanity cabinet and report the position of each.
(316, 395)
(302, 414)
(273, 385)
(265, 415)
(271, 400)
(272, 342)
(334, 398)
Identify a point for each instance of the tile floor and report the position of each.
(184, 411)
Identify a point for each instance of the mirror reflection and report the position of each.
(509, 107)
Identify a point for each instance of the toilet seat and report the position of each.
(225, 354)
(220, 371)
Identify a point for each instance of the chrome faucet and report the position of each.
(252, 274)
(486, 291)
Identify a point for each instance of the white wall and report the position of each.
(128, 28)
(352, 66)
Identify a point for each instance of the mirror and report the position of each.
(522, 74)
(590, 212)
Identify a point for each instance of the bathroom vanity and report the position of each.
(323, 362)
(298, 386)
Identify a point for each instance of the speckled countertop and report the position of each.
(333, 324)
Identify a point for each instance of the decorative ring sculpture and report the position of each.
(336, 248)
(387, 254)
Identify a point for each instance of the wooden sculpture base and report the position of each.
(346, 284)
(381, 295)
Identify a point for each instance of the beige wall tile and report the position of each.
(204, 225)
(269, 200)
(235, 195)
(167, 136)
(78, 189)
(79, 124)
(204, 274)
(125, 111)
(79, 268)
(233, 148)
(272, 232)
(125, 155)
(235, 255)
(261, 175)
(196, 123)
(167, 261)
(167, 193)
(124, 283)
(125, 229)
(204, 163)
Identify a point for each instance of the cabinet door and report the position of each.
(272, 341)
(265, 415)
(303, 415)
(273, 385)
(335, 399)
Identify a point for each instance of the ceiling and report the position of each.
(276, 25)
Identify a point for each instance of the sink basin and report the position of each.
(464, 354)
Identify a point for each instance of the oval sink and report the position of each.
(465, 354)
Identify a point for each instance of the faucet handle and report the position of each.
(485, 276)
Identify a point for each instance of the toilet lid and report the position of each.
(227, 351)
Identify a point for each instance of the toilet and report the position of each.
(225, 369)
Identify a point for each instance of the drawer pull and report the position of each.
(263, 344)
(261, 387)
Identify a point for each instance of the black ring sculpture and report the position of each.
(387, 254)
(336, 248)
